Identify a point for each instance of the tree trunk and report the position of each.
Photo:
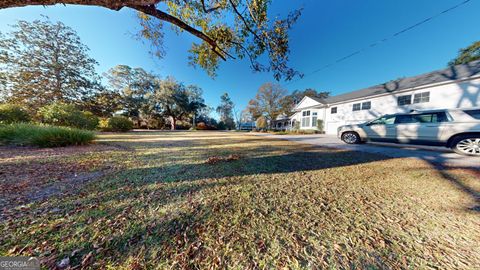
(173, 122)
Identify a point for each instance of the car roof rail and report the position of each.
(427, 110)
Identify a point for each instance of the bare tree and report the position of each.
(267, 102)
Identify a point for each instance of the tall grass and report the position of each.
(23, 134)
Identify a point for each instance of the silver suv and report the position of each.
(458, 129)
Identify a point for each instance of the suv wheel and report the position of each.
(467, 145)
(351, 137)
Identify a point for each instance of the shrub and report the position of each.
(261, 123)
(156, 123)
(296, 125)
(204, 126)
(61, 114)
(103, 124)
(320, 125)
(306, 131)
(119, 123)
(87, 120)
(221, 125)
(23, 134)
(10, 113)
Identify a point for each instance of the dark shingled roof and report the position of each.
(448, 74)
(319, 100)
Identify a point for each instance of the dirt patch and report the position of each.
(66, 186)
(30, 174)
(17, 196)
(13, 153)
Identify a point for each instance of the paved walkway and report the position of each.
(437, 155)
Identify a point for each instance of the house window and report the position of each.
(306, 122)
(357, 107)
(305, 118)
(333, 110)
(314, 119)
(366, 105)
(421, 97)
(404, 100)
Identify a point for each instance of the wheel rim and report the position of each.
(349, 138)
(469, 146)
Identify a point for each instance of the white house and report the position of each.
(454, 87)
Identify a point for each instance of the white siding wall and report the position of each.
(454, 95)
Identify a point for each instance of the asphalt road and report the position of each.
(436, 155)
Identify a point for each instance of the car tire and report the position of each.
(467, 145)
(351, 138)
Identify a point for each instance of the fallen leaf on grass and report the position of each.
(217, 159)
(87, 259)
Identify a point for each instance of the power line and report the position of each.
(374, 44)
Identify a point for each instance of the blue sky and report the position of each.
(326, 31)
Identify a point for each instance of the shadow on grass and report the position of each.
(174, 237)
(306, 159)
(438, 162)
(468, 190)
(310, 160)
(190, 143)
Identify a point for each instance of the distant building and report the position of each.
(247, 126)
(454, 87)
(282, 123)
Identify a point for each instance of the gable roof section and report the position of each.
(305, 103)
(449, 74)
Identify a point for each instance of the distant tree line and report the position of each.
(44, 63)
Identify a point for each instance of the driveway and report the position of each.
(437, 155)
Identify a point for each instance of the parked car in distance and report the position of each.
(458, 129)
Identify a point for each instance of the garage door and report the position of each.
(332, 127)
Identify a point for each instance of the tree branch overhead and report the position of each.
(253, 34)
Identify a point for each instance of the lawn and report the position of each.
(207, 200)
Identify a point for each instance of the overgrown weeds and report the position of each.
(24, 134)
